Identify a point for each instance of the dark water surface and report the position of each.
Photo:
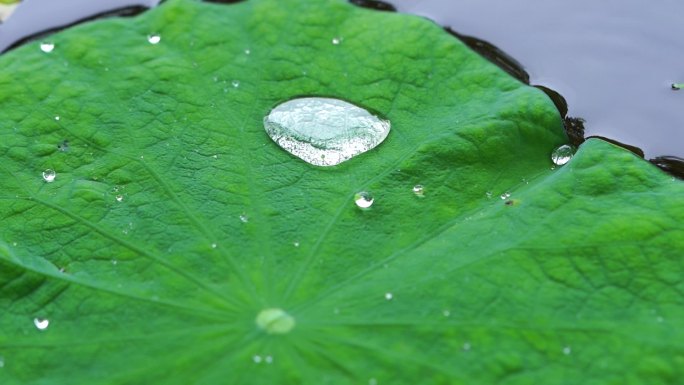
(613, 60)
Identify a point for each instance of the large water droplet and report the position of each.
(324, 131)
(47, 47)
(154, 38)
(562, 154)
(363, 199)
(275, 321)
(49, 175)
(41, 323)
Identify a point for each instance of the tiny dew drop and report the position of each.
(248, 51)
(505, 195)
(47, 46)
(363, 199)
(466, 346)
(257, 359)
(154, 38)
(213, 245)
(389, 296)
(418, 190)
(337, 40)
(567, 350)
(119, 198)
(268, 359)
(244, 218)
(446, 313)
(49, 175)
(296, 244)
(562, 154)
(41, 323)
(235, 83)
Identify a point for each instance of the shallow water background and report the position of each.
(613, 60)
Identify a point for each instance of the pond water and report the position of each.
(614, 60)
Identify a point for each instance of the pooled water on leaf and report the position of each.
(47, 47)
(562, 154)
(244, 218)
(363, 199)
(324, 131)
(49, 175)
(153, 39)
(41, 323)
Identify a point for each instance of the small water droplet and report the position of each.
(567, 350)
(57, 117)
(296, 244)
(562, 154)
(213, 245)
(505, 195)
(257, 359)
(14, 244)
(466, 346)
(41, 323)
(336, 40)
(268, 359)
(660, 319)
(418, 190)
(244, 218)
(324, 131)
(49, 175)
(47, 47)
(215, 156)
(389, 296)
(248, 51)
(119, 198)
(446, 313)
(64, 146)
(2, 362)
(115, 262)
(154, 38)
(363, 199)
(235, 83)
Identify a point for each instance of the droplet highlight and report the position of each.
(47, 47)
(154, 38)
(41, 323)
(562, 154)
(324, 131)
(363, 200)
(49, 175)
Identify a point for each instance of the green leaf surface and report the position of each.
(178, 244)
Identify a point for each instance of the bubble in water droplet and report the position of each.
(49, 175)
(418, 190)
(336, 40)
(257, 359)
(363, 199)
(119, 198)
(154, 38)
(268, 359)
(41, 323)
(562, 154)
(389, 296)
(115, 262)
(275, 321)
(235, 83)
(47, 47)
(244, 218)
(567, 350)
(505, 195)
(324, 131)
